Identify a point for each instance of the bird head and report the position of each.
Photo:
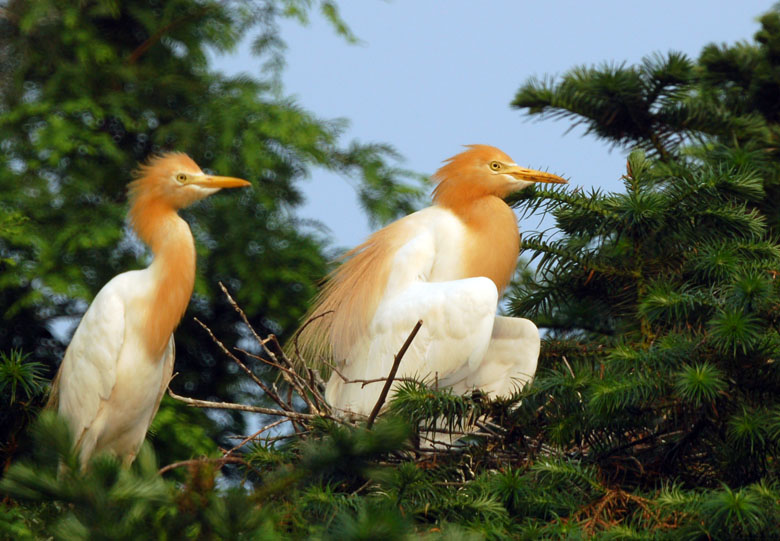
(484, 170)
(176, 180)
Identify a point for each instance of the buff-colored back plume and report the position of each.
(346, 303)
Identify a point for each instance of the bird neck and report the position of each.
(492, 242)
(459, 192)
(172, 270)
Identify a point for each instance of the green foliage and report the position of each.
(22, 388)
(661, 300)
(106, 502)
(700, 383)
(345, 453)
(420, 404)
(17, 372)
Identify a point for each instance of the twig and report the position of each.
(253, 436)
(494, 426)
(315, 385)
(364, 382)
(362, 487)
(293, 381)
(449, 483)
(272, 438)
(241, 407)
(266, 361)
(435, 445)
(243, 367)
(486, 428)
(261, 341)
(241, 313)
(157, 36)
(396, 363)
(321, 403)
(293, 378)
(221, 461)
(566, 362)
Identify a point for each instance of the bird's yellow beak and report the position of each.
(213, 181)
(530, 175)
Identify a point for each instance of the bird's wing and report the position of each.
(457, 323)
(510, 360)
(88, 372)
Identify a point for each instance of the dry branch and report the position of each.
(221, 461)
(247, 439)
(396, 363)
(294, 415)
(280, 361)
(243, 367)
(299, 331)
(364, 382)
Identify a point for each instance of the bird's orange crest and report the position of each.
(460, 178)
(147, 191)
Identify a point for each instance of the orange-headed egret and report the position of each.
(120, 359)
(447, 265)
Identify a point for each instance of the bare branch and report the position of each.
(290, 376)
(566, 362)
(221, 461)
(300, 385)
(253, 436)
(241, 313)
(264, 360)
(294, 415)
(365, 382)
(251, 374)
(274, 438)
(396, 363)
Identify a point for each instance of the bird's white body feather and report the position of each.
(462, 343)
(111, 383)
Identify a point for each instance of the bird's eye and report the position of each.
(181, 177)
(495, 166)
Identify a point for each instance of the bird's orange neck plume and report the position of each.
(157, 223)
(493, 242)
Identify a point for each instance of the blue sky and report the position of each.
(429, 76)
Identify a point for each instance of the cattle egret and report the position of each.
(446, 265)
(120, 359)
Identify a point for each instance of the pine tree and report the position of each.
(659, 367)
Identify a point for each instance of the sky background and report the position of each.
(430, 76)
